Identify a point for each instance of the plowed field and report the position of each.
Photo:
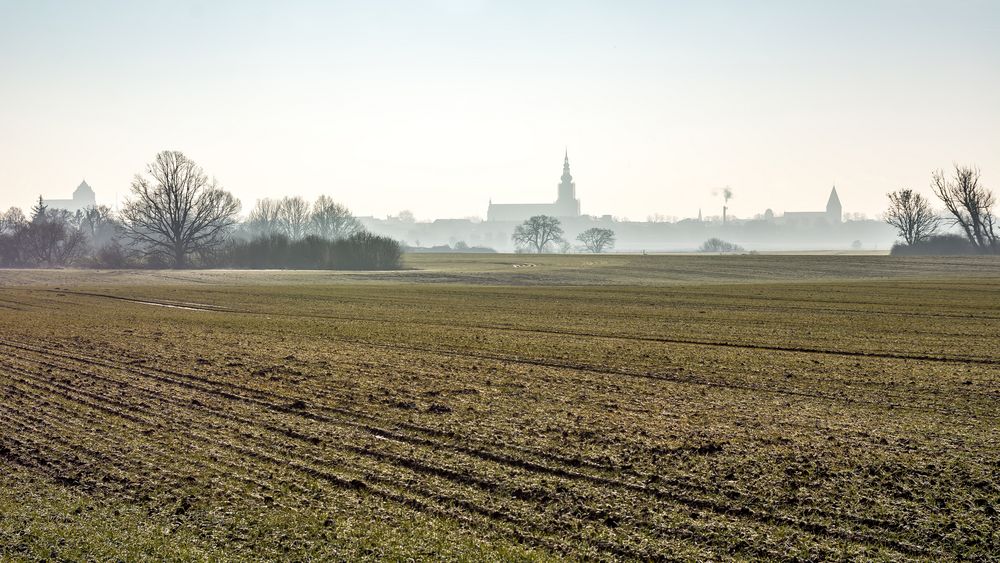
(495, 416)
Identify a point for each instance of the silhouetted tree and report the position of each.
(12, 226)
(99, 222)
(538, 232)
(264, 219)
(12, 220)
(51, 239)
(38, 210)
(970, 205)
(331, 220)
(293, 216)
(176, 211)
(596, 239)
(406, 216)
(719, 245)
(911, 214)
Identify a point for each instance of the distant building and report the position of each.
(566, 205)
(83, 197)
(834, 213)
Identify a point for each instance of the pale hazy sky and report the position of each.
(439, 105)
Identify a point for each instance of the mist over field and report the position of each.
(470, 280)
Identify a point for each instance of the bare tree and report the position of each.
(99, 222)
(911, 214)
(264, 219)
(12, 220)
(176, 211)
(293, 216)
(970, 204)
(718, 245)
(538, 232)
(12, 227)
(596, 239)
(332, 220)
(71, 219)
(51, 240)
(406, 216)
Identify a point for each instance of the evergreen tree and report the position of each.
(38, 211)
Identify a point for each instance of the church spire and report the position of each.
(567, 190)
(834, 210)
(566, 176)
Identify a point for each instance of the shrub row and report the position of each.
(940, 245)
(360, 251)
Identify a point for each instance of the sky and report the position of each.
(439, 106)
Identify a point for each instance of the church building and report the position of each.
(566, 205)
(833, 214)
(83, 197)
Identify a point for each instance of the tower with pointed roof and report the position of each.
(83, 197)
(566, 204)
(834, 211)
(84, 193)
(833, 215)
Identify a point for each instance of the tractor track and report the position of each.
(434, 503)
(723, 510)
(577, 334)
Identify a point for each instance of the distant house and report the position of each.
(83, 197)
(566, 205)
(833, 215)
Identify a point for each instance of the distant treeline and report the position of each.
(177, 218)
(93, 239)
(56, 237)
(460, 246)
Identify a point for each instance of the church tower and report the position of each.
(567, 202)
(834, 211)
(83, 195)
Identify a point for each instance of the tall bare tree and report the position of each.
(175, 211)
(538, 232)
(970, 205)
(12, 220)
(911, 214)
(264, 219)
(596, 239)
(13, 223)
(332, 220)
(293, 216)
(51, 239)
(99, 222)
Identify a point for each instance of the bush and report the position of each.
(360, 251)
(940, 245)
(719, 245)
(111, 256)
(365, 251)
